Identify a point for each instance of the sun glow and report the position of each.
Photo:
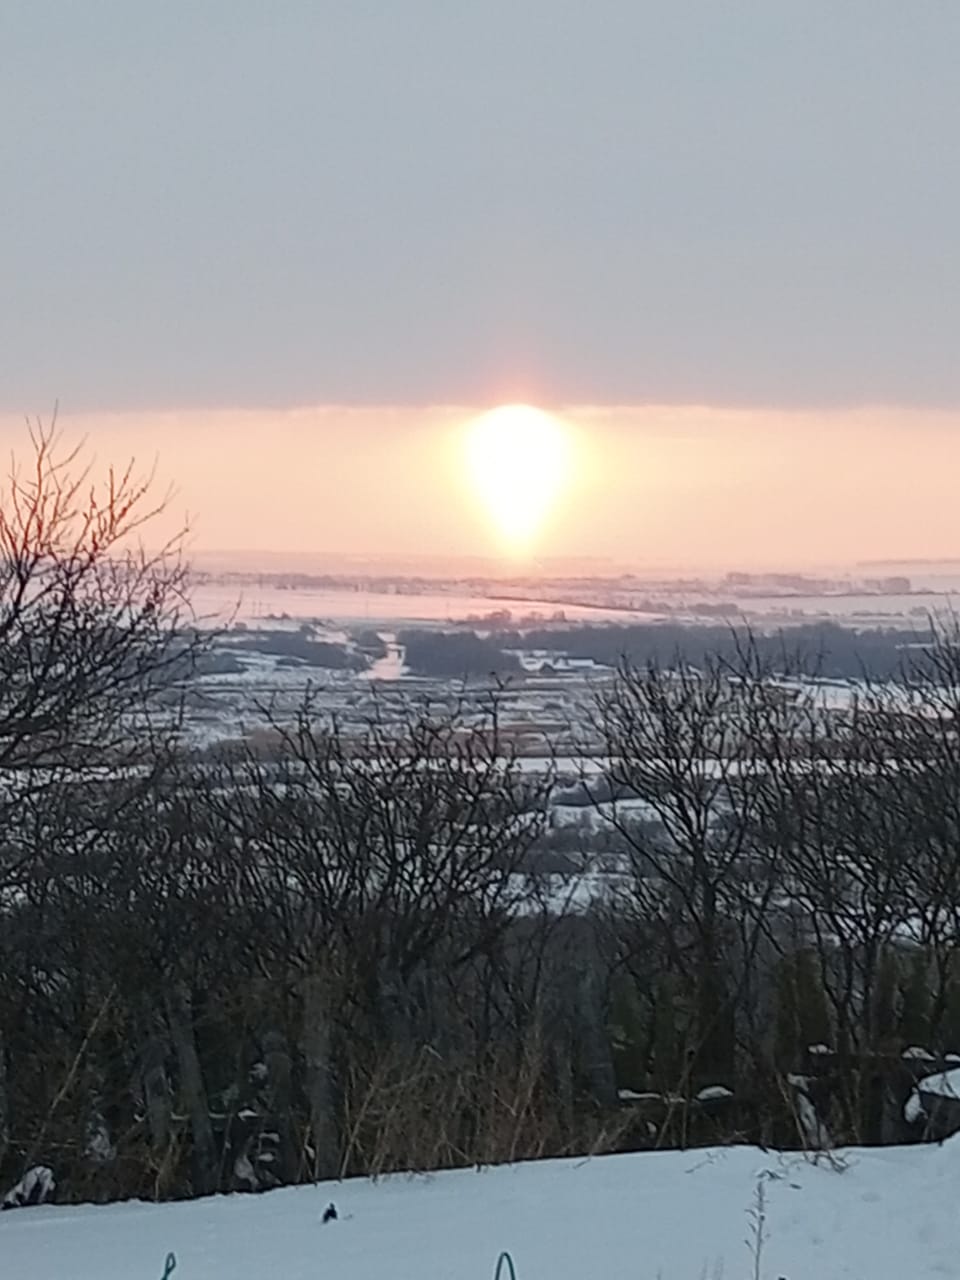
(520, 461)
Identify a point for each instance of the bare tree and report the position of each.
(94, 632)
(92, 625)
(684, 745)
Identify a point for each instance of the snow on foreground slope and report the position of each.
(892, 1215)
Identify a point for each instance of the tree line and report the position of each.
(237, 974)
(825, 650)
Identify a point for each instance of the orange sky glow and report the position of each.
(647, 486)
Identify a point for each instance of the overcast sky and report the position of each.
(278, 202)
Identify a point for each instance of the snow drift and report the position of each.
(882, 1214)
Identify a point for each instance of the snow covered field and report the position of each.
(889, 1215)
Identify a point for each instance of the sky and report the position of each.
(660, 488)
(264, 242)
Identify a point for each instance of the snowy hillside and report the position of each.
(889, 1215)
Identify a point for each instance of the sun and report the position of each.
(520, 460)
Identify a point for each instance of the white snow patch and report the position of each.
(913, 1111)
(916, 1054)
(35, 1187)
(714, 1093)
(944, 1085)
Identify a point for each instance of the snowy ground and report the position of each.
(890, 1215)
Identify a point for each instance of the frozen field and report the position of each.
(351, 608)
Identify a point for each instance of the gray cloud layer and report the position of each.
(243, 202)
